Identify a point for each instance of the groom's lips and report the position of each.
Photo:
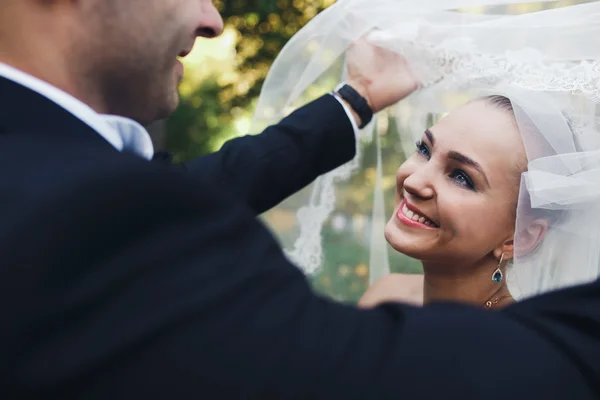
(186, 51)
(179, 63)
(179, 67)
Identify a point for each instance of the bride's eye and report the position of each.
(462, 179)
(423, 150)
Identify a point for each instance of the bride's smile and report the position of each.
(412, 216)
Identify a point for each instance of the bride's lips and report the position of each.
(407, 213)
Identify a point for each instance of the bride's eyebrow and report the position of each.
(430, 136)
(461, 158)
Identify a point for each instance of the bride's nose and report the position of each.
(419, 183)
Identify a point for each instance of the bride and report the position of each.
(501, 198)
(456, 207)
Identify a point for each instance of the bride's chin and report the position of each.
(405, 242)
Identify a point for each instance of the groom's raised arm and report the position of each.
(188, 296)
(262, 170)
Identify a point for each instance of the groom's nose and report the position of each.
(211, 23)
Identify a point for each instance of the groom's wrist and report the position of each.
(349, 110)
(353, 117)
(362, 89)
(355, 101)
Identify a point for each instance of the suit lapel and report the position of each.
(24, 110)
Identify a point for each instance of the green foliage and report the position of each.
(192, 132)
(264, 26)
(345, 272)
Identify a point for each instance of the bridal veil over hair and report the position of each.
(546, 62)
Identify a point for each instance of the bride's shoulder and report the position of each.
(405, 288)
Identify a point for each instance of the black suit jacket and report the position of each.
(122, 278)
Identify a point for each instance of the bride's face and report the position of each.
(456, 195)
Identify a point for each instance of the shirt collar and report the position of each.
(122, 133)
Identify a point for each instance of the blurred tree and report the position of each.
(264, 26)
(191, 132)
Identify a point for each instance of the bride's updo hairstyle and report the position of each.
(554, 236)
(535, 222)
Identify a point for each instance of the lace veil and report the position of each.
(545, 62)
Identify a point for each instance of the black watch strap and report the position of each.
(357, 102)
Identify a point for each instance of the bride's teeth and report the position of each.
(416, 217)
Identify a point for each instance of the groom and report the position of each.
(122, 278)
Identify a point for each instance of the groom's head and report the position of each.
(119, 56)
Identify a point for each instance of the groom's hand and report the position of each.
(380, 75)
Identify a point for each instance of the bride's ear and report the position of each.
(505, 250)
(531, 237)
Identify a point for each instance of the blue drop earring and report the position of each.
(497, 275)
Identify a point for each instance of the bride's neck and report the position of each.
(465, 285)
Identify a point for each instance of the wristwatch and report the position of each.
(357, 102)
